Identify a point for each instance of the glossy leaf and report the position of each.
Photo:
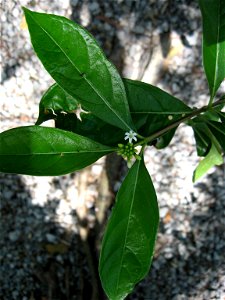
(213, 18)
(58, 105)
(44, 151)
(148, 99)
(91, 127)
(212, 159)
(129, 239)
(75, 61)
(218, 129)
(153, 123)
(55, 101)
(153, 109)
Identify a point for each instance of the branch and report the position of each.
(181, 120)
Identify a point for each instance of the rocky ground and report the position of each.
(51, 226)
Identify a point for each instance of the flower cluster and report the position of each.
(128, 152)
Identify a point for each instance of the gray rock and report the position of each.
(14, 235)
(51, 238)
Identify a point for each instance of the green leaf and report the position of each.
(211, 115)
(91, 127)
(44, 151)
(58, 105)
(213, 158)
(55, 101)
(164, 140)
(153, 109)
(76, 62)
(202, 137)
(220, 104)
(213, 18)
(218, 129)
(148, 99)
(129, 239)
(222, 116)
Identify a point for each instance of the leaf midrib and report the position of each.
(84, 77)
(57, 153)
(131, 206)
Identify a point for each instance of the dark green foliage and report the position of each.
(129, 240)
(81, 67)
(55, 101)
(44, 151)
(94, 110)
(213, 16)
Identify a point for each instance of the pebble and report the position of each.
(94, 6)
(14, 235)
(163, 211)
(51, 238)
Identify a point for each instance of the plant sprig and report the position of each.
(114, 112)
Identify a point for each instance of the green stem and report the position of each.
(210, 104)
(178, 122)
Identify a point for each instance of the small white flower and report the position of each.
(131, 135)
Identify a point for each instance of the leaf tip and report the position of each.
(25, 9)
(194, 179)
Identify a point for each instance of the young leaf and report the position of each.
(153, 109)
(55, 101)
(213, 16)
(129, 239)
(75, 61)
(213, 158)
(44, 151)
